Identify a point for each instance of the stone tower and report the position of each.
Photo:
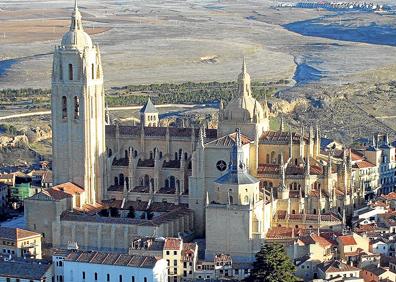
(78, 115)
(244, 111)
(149, 115)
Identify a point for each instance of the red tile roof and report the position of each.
(347, 240)
(69, 188)
(173, 244)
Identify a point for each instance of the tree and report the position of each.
(131, 213)
(272, 265)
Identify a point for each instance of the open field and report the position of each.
(342, 60)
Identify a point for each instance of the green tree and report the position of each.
(272, 265)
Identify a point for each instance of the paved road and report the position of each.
(174, 106)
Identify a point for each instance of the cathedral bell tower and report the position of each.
(78, 115)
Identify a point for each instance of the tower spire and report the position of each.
(244, 65)
(76, 23)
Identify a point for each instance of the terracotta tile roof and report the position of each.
(53, 194)
(336, 266)
(69, 188)
(347, 240)
(277, 137)
(314, 238)
(283, 232)
(7, 176)
(390, 196)
(356, 156)
(364, 164)
(13, 234)
(291, 169)
(228, 140)
(173, 244)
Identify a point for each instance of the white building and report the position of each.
(108, 267)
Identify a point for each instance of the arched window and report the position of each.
(160, 155)
(70, 72)
(314, 211)
(126, 154)
(121, 179)
(64, 107)
(295, 161)
(110, 152)
(93, 71)
(166, 183)
(185, 156)
(178, 184)
(146, 181)
(231, 200)
(279, 158)
(127, 182)
(267, 160)
(76, 107)
(151, 155)
(246, 199)
(180, 153)
(135, 154)
(172, 182)
(175, 156)
(116, 181)
(272, 157)
(293, 211)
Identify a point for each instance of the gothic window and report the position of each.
(231, 200)
(272, 157)
(151, 155)
(185, 156)
(180, 153)
(135, 154)
(246, 200)
(60, 70)
(279, 158)
(70, 72)
(314, 211)
(172, 182)
(127, 182)
(76, 107)
(116, 181)
(267, 159)
(121, 179)
(146, 181)
(175, 156)
(93, 71)
(293, 211)
(126, 154)
(64, 107)
(166, 183)
(110, 152)
(160, 155)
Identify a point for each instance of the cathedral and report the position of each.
(229, 185)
